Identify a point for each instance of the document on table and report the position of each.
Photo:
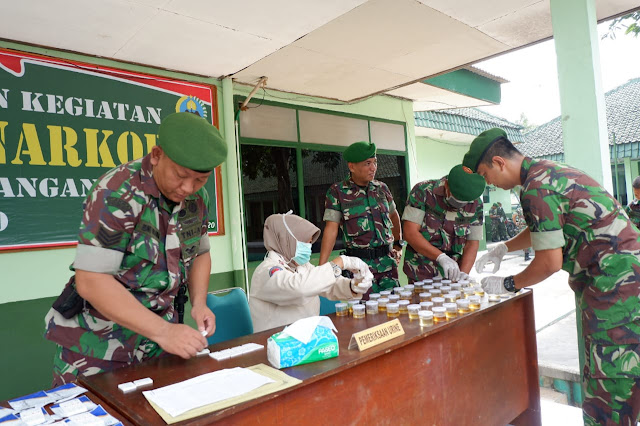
(206, 389)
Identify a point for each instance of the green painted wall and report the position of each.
(435, 158)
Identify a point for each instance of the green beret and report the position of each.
(464, 184)
(191, 142)
(359, 151)
(480, 145)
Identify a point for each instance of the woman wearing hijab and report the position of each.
(285, 286)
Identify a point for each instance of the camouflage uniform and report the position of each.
(495, 223)
(633, 211)
(521, 224)
(446, 228)
(364, 214)
(147, 243)
(502, 223)
(564, 208)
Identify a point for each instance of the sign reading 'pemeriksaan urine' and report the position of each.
(63, 124)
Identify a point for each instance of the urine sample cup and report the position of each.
(358, 311)
(439, 314)
(374, 296)
(437, 301)
(393, 310)
(463, 306)
(342, 309)
(474, 302)
(426, 306)
(451, 310)
(426, 318)
(402, 305)
(413, 311)
(382, 303)
(406, 295)
(372, 307)
(450, 298)
(425, 296)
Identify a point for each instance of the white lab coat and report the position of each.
(281, 295)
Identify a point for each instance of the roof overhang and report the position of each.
(345, 50)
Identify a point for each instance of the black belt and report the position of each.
(368, 253)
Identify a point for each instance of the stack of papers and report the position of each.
(206, 389)
(68, 408)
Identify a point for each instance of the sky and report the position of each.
(533, 79)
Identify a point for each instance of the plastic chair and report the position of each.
(231, 309)
(327, 306)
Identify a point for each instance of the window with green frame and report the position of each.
(281, 173)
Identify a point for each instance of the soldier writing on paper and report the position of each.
(142, 237)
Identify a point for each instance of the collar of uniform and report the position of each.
(524, 169)
(350, 184)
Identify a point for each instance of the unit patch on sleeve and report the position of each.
(273, 270)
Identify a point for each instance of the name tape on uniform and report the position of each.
(373, 336)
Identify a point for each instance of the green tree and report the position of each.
(525, 123)
(629, 22)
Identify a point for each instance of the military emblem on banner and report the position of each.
(191, 104)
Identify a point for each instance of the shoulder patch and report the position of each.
(273, 270)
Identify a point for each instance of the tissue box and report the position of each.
(286, 351)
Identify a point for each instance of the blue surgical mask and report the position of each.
(303, 253)
(303, 250)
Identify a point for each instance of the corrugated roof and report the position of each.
(470, 121)
(623, 110)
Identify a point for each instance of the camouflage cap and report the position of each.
(191, 142)
(464, 184)
(359, 151)
(480, 145)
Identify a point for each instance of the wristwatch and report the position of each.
(400, 243)
(509, 284)
(337, 271)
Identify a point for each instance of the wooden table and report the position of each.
(479, 369)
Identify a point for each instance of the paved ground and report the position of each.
(557, 338)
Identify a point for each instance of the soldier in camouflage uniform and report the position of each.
(574, 224)
(521, 224)
(443, 219)
(495, 223)
(143, 235)
(633, 208)
(366, 210)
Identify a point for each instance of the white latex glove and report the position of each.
(493, 285)
(494, 255)
(363, 286)
(463, 276)
(357, 266)
(449, 266)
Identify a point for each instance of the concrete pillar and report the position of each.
(234, 223)
(584, 124)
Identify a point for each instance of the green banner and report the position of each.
(63, 124)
